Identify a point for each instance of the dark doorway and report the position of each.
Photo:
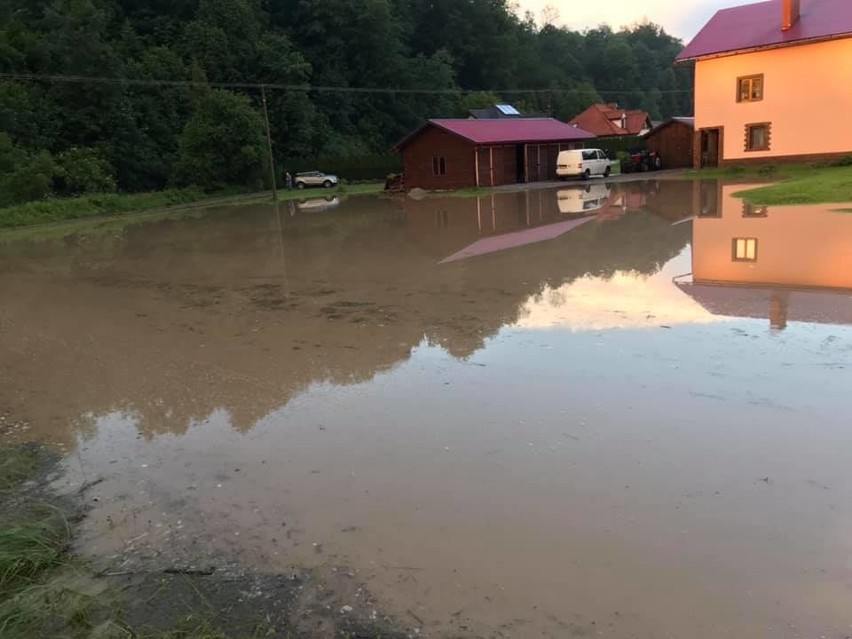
(521, 164)
(711, 143)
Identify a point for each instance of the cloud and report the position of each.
(681, 19)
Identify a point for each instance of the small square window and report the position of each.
(439, 166)
(750, 88)
(745, 249)
(757, 137)
(753, 210)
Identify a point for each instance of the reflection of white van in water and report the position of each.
(583, 199)
(583, 163)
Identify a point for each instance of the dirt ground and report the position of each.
(213, 599)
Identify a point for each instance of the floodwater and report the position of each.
(618, 411)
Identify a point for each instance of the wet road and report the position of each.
(590, 411)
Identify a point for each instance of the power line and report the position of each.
(305, 88)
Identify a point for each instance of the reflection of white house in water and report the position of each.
(583, 199)
(791, 263)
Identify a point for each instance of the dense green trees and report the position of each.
(222, 143)
(167, 111)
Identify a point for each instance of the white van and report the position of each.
(583, 163)
(583, 199)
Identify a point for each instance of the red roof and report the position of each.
(508, 131)
(757, 26)
(605, 120)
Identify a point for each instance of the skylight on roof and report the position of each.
(507, 109)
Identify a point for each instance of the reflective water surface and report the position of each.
(602, 410)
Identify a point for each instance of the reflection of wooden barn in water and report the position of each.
(452, 154)
(459, 229)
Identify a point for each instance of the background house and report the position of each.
(496, 112)
(673, 142)
(452, 154)
(772, 83)
(608, 120)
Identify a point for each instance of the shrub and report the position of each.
(222, 144)
(32, 180)
(82, 170)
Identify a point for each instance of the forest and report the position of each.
(100, 96)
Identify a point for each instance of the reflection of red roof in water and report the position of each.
(814, 307)
(514, 240)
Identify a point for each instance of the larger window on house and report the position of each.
(745, 249)
(439, 166)
(750, 88)
(757, 136)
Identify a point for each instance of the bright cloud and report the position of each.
(682, 19)
(626, 300)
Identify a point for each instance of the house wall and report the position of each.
(497, 165)
(807, 98)
(797, 246)
(458, 154)
(673, 143)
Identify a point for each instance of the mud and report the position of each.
(556, 413)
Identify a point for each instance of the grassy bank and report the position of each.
(114, 204)
(831, 185)
(803, 184)
(58, 210)
(48, 593)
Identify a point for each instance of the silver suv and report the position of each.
(315, 178)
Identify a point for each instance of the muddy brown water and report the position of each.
(618, 411)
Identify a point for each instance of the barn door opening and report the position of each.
(521, 163)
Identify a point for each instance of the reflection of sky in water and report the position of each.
(625, 300)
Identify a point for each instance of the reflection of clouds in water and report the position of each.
(626, 300)
(556, 297)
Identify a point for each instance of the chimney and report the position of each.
(790, 14)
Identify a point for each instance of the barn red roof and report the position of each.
(510, 131)
(758, 26)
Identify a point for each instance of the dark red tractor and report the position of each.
(641, 161)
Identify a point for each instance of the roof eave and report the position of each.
(768, 47)
(399, 146)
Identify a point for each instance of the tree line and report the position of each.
(177, 102)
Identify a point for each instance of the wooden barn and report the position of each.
(673, 141)
(453, 154)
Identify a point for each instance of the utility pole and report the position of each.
(269, 145)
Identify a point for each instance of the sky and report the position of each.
(680, 18)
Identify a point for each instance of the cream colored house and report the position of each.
(773, 82)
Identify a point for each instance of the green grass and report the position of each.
(827, 183)
(59, 210)
(806, 186)
(16, 466)
(28, 549)
(114, 204)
